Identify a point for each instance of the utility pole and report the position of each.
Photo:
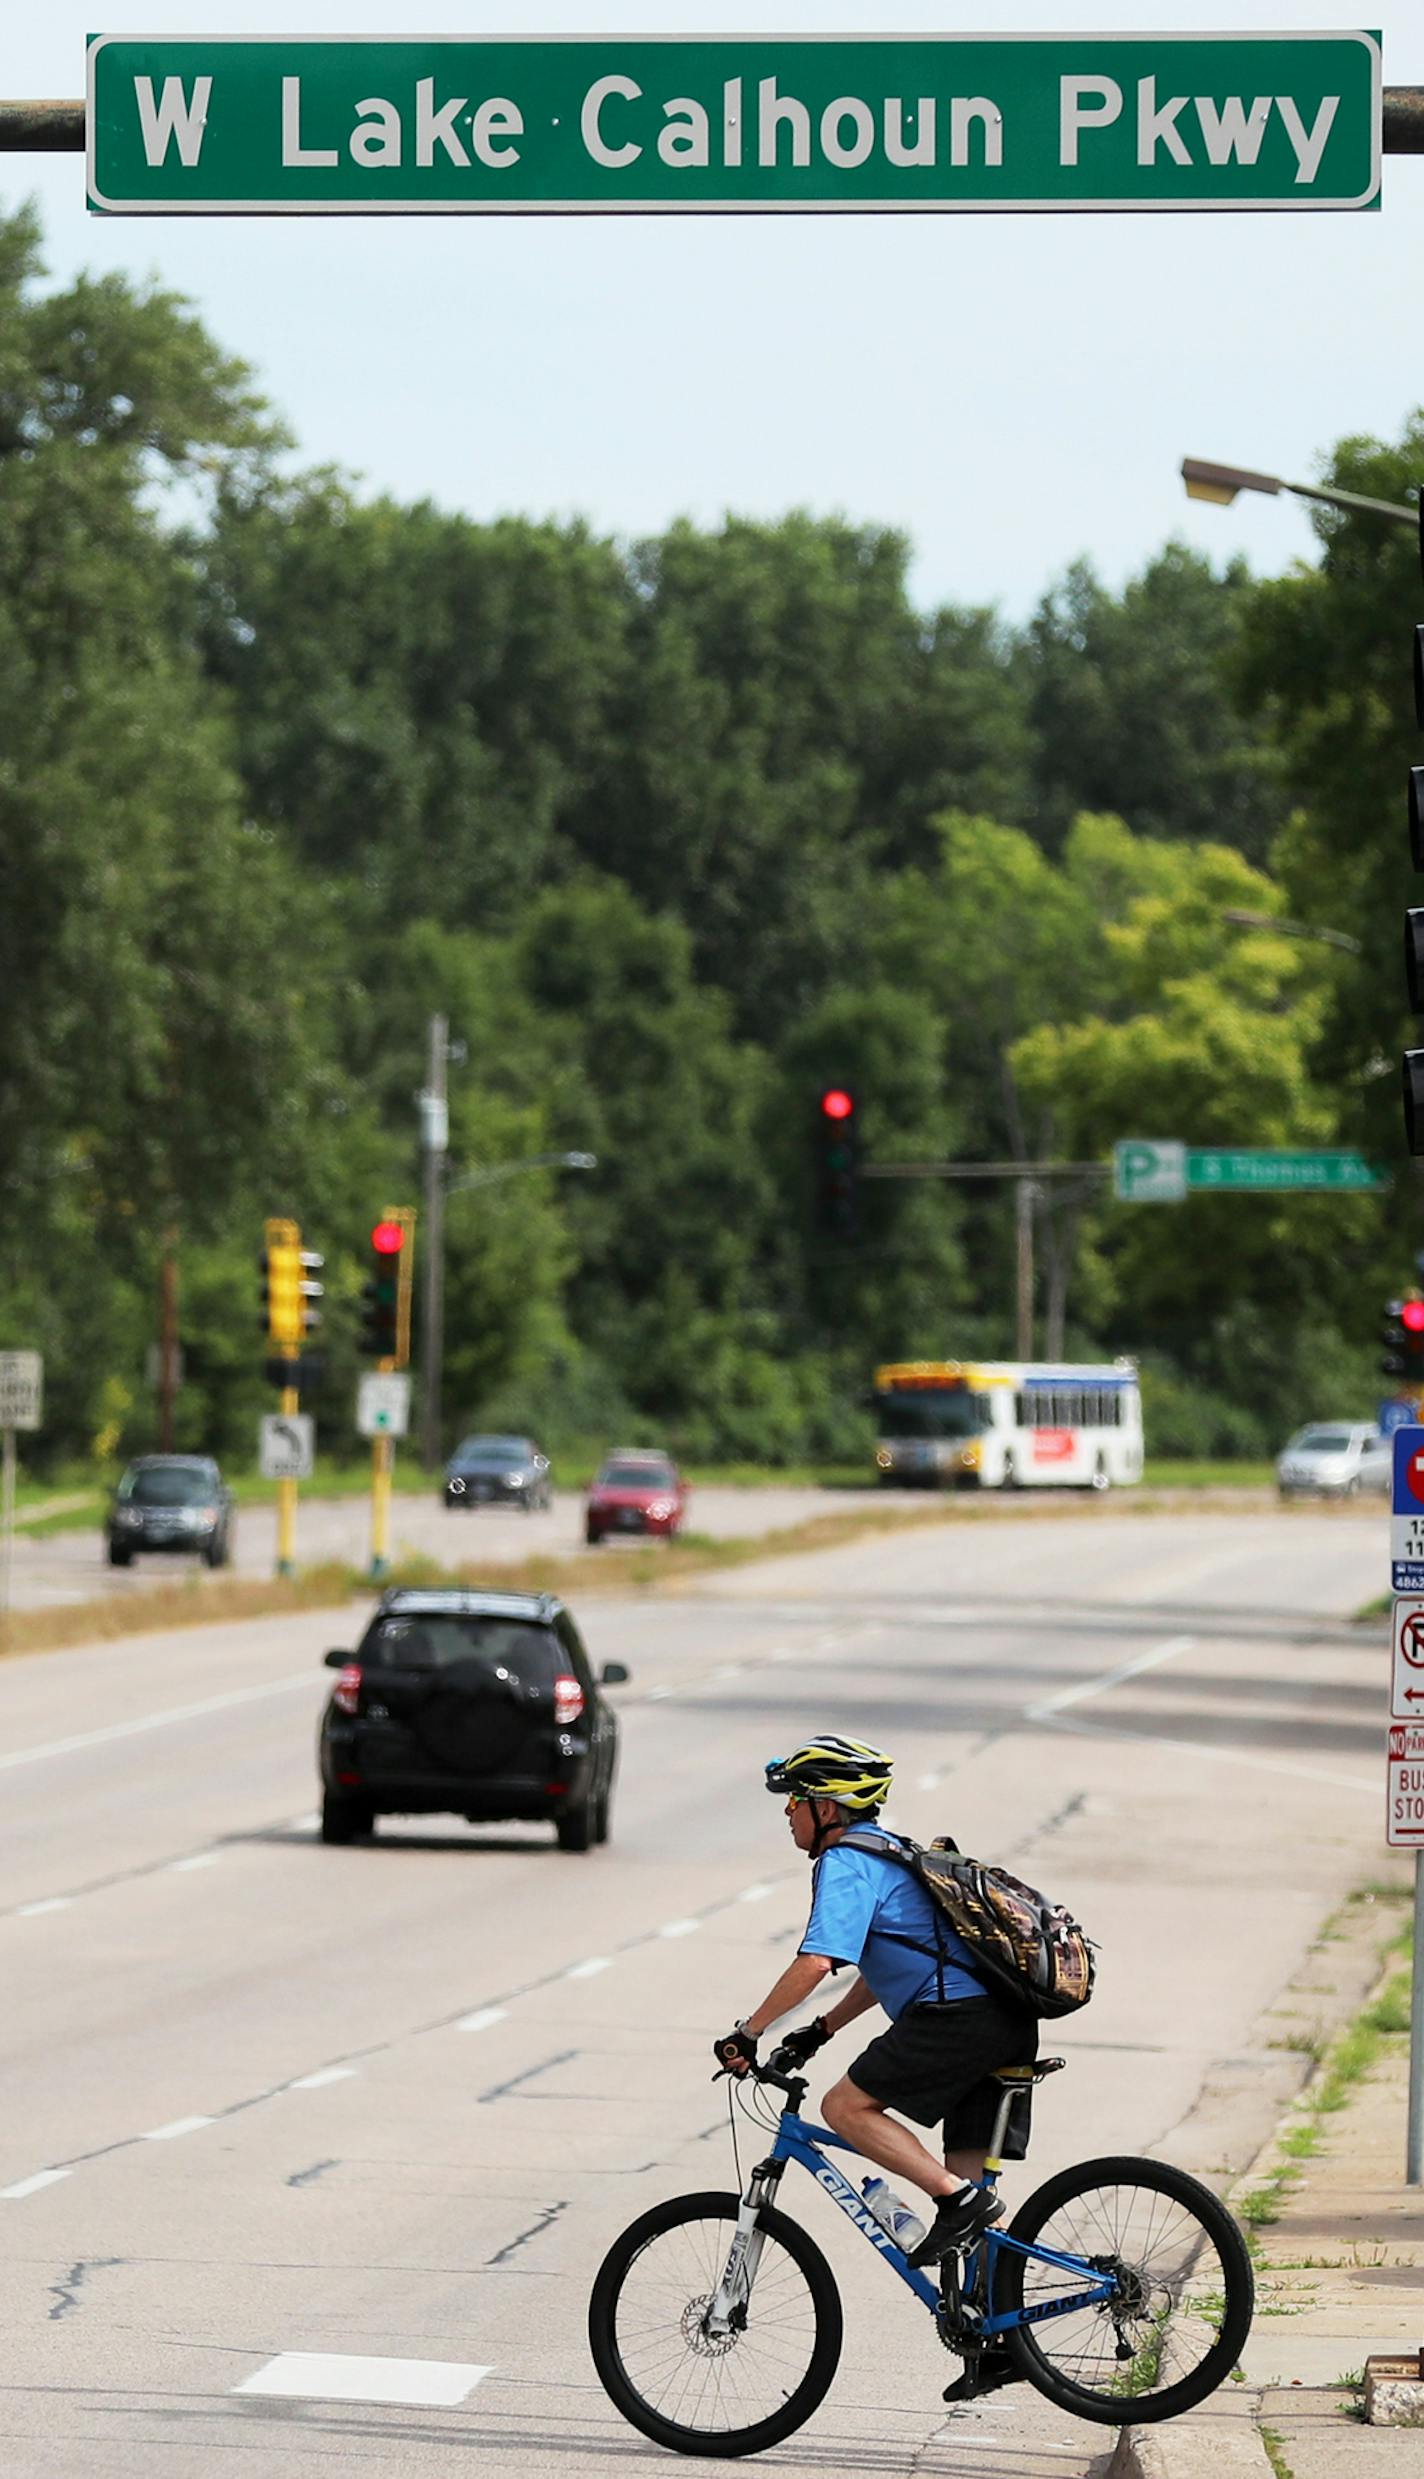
(435, 1142)
(1025, 1197)
(167, 1337)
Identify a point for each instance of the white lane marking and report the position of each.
(680, 1928)
(155, 1721)
(928, 1781)
(325, 2075)
(179, 2126)
(36, 1910)
(31, 2186)
(590, 1969)
(1110, 1678)
(313, 2375)
(305, 1824)
(656, 1694)
(755, 1893)
(780, 1652)
(482, 2020)
(1224, 1755)
(730, 1669)
(185, 1867)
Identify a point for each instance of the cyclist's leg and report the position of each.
(864, 2121)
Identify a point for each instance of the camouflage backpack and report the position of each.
(1026, 1949)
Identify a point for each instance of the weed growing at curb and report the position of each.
(1275, 2445)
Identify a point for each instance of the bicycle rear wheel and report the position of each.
(1183, 2308)
(698, 2393)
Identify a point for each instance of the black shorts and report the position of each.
(937, 2062)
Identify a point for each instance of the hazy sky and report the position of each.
(1012, 391)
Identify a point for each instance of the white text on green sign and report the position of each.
(301, 125)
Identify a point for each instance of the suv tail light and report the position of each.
(568, 1701)
(346, 1694)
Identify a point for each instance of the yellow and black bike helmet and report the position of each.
(833, 1768)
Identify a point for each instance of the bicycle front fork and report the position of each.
(727, 2310)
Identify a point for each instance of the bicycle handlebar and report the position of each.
(794, 2086)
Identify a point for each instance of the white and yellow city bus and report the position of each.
(1008, 1424)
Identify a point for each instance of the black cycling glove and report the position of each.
(799, 2046)
(736, 2050)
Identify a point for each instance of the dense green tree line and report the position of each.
(671, 831)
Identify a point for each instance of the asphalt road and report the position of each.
(72, 1566)
(390, 2103)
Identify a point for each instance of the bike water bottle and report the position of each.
(898, 2220)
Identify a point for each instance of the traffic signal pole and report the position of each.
(386, 1334)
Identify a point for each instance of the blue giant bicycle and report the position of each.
(1122, 2289)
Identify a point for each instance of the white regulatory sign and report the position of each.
(286, 1446)
(1404, 1802)
(1406, 1686)
(21, 1389)
(383, 1403)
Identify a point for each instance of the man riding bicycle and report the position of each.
(947, 2033)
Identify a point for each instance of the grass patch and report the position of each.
(218, 1600)
(1379, 1607)
(1169, 1472)
(1275, 2449)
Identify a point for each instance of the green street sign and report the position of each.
(489, 125)
(1163, 1171)
(1251, 1167)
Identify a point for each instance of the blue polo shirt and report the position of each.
(855, 1898)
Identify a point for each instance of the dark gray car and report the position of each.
(168, 1502)
(499, 1471)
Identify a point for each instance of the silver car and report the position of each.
(1335, 1459)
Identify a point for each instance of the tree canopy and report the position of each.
(672, 831)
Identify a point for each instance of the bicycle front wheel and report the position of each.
(1182, 2309)
(699, 2392)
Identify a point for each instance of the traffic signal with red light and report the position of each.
(836, 1141)
(1403, 1337)
(385, 1298)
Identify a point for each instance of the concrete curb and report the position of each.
(1228, 2446)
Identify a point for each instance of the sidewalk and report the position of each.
(1340, 2278)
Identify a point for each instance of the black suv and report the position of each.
(476, 1704)
(170, 1502)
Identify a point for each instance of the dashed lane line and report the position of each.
(1084, 1688)
(483, 2019)
(37, 1910)
(154, 1721)
(185, 1867)
(589, 1970)
(31, 2186)
(316, 2375)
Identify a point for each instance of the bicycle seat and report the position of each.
(1029, 2074)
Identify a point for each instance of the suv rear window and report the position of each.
(434, 1639)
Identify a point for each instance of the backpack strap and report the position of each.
(905, 1852)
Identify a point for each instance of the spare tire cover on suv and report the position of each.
(477, 1693)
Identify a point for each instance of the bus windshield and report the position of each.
(950, 1411)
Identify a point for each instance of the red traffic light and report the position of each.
(388, 1239)
(837, 1104)
(1411, 1316)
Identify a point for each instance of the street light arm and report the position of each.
(512, 1170)
(1220, 484)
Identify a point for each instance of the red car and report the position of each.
(636, 1491)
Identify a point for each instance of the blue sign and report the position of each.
(1406, 1530)
(1396, 1412)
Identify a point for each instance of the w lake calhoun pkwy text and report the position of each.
(617, 121)
(450, 125)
